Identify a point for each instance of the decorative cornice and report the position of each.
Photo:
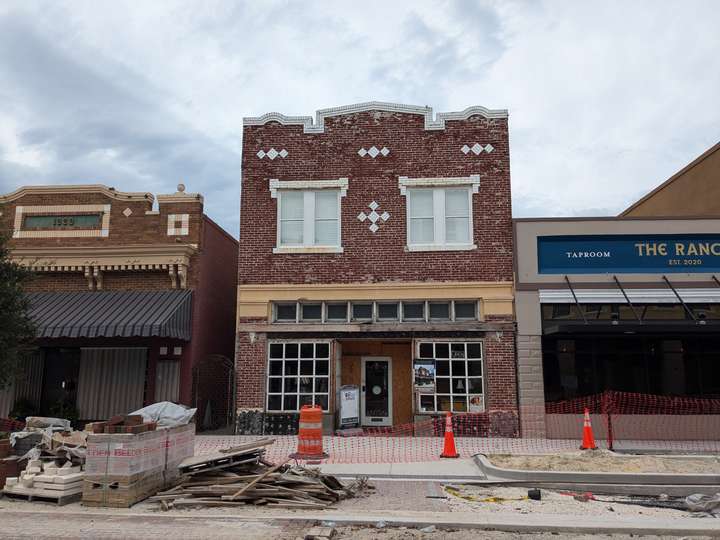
(340, 183)
(73, 189)
(319, 125)
(179, 196)
(473, 180)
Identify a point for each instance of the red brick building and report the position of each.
(133, 304)
(376, 242)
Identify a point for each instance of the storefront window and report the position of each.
(458, 377)
(298, 374)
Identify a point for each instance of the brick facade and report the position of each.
(329, 151)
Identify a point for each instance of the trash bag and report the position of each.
(166, 414)
(709, 504)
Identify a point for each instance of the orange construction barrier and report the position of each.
(449, 450)
(310, 441)
(588, 442)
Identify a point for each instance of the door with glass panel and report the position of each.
(376, 391)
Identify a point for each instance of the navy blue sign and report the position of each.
(621, 253)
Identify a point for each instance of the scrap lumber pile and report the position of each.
(122, 423)
(240, 476)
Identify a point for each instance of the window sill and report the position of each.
(441, 247)
(308, 249)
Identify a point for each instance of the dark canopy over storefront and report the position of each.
(112, 314)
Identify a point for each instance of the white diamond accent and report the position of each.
(374, 228)
(261, 154)
(385, 216)
(362, 216)
(373, 205)
(127, 212)
(362, 152)
(477, 148)
(489, 148)
(283, 153)
(374, 216)
(385, 151)
(272, 153)
(373, 152)
(465, 149)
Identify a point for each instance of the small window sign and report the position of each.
(62, 222)
(424, 375)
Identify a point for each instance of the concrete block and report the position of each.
(63, 471)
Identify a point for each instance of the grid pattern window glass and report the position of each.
(458, 376)
(309, 218)
(439, 217)
(298, 374)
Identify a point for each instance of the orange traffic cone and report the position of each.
(588, 442)
(449, 450)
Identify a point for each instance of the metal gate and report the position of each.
(214, 392)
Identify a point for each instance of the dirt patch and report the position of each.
(605, 461)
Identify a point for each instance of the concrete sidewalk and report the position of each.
(449, 469)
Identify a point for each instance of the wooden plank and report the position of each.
(225, 453)
(267, 473)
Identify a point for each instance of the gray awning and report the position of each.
(112, 314)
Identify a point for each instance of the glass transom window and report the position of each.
(309, 218)
(458, 376)
(439, 216)
(298, 374)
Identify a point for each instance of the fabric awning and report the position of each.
(112, 314)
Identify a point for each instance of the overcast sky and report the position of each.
(606, 99)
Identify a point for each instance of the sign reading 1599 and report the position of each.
(588, 254)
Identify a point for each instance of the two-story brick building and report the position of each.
(133, 304)
(376, 250)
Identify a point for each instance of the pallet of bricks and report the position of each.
(123, 469)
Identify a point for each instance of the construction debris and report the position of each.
(240, 476)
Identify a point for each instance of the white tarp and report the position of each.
(166, 414)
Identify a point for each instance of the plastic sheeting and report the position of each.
(166, 414)
(709, 504)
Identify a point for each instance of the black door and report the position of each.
(377, 392)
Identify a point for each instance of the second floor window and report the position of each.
(309, 218)
(439, 217)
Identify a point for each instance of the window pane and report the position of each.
(291, 232)
(458, 368)
(290, 403)
(291, 367)
(326, 204)
(276, 367)
(442, 350)
(457, 230)
(291, 385)
(337, 312)
(388, 311)
(311, 312)
(275, 385)
(439, 310)
(291, 350)
(276, 350)
(474, 368)
(426, 350)
(321, 367)
(474, 350)
(442, 367)
(362, 311)
(306, 367)
(459, 404)
(456, 203)
(274, 403)
(457, 350)
(286, 312)
(307, 350)
(306, 399)
(321, 384)
(322, 401)
(306, 384)
(475, 386)
(442, 385)
(292, 205)
(421, 231)
(464, 310)
(459, 385)
(427, 403)
(443, 403)
(322, 350)
(326, 233)
(413, 310)
(421, 203)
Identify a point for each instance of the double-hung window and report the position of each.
(439, 212)
(308, 215)
(309, 218)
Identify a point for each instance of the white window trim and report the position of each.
(472, 184)
(340, 185)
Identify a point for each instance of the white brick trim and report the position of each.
(319, 125)
(473, 180)
(340, 183)
(103, 231)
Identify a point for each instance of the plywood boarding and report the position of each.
(401, 354)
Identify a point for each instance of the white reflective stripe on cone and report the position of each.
(310, 425)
